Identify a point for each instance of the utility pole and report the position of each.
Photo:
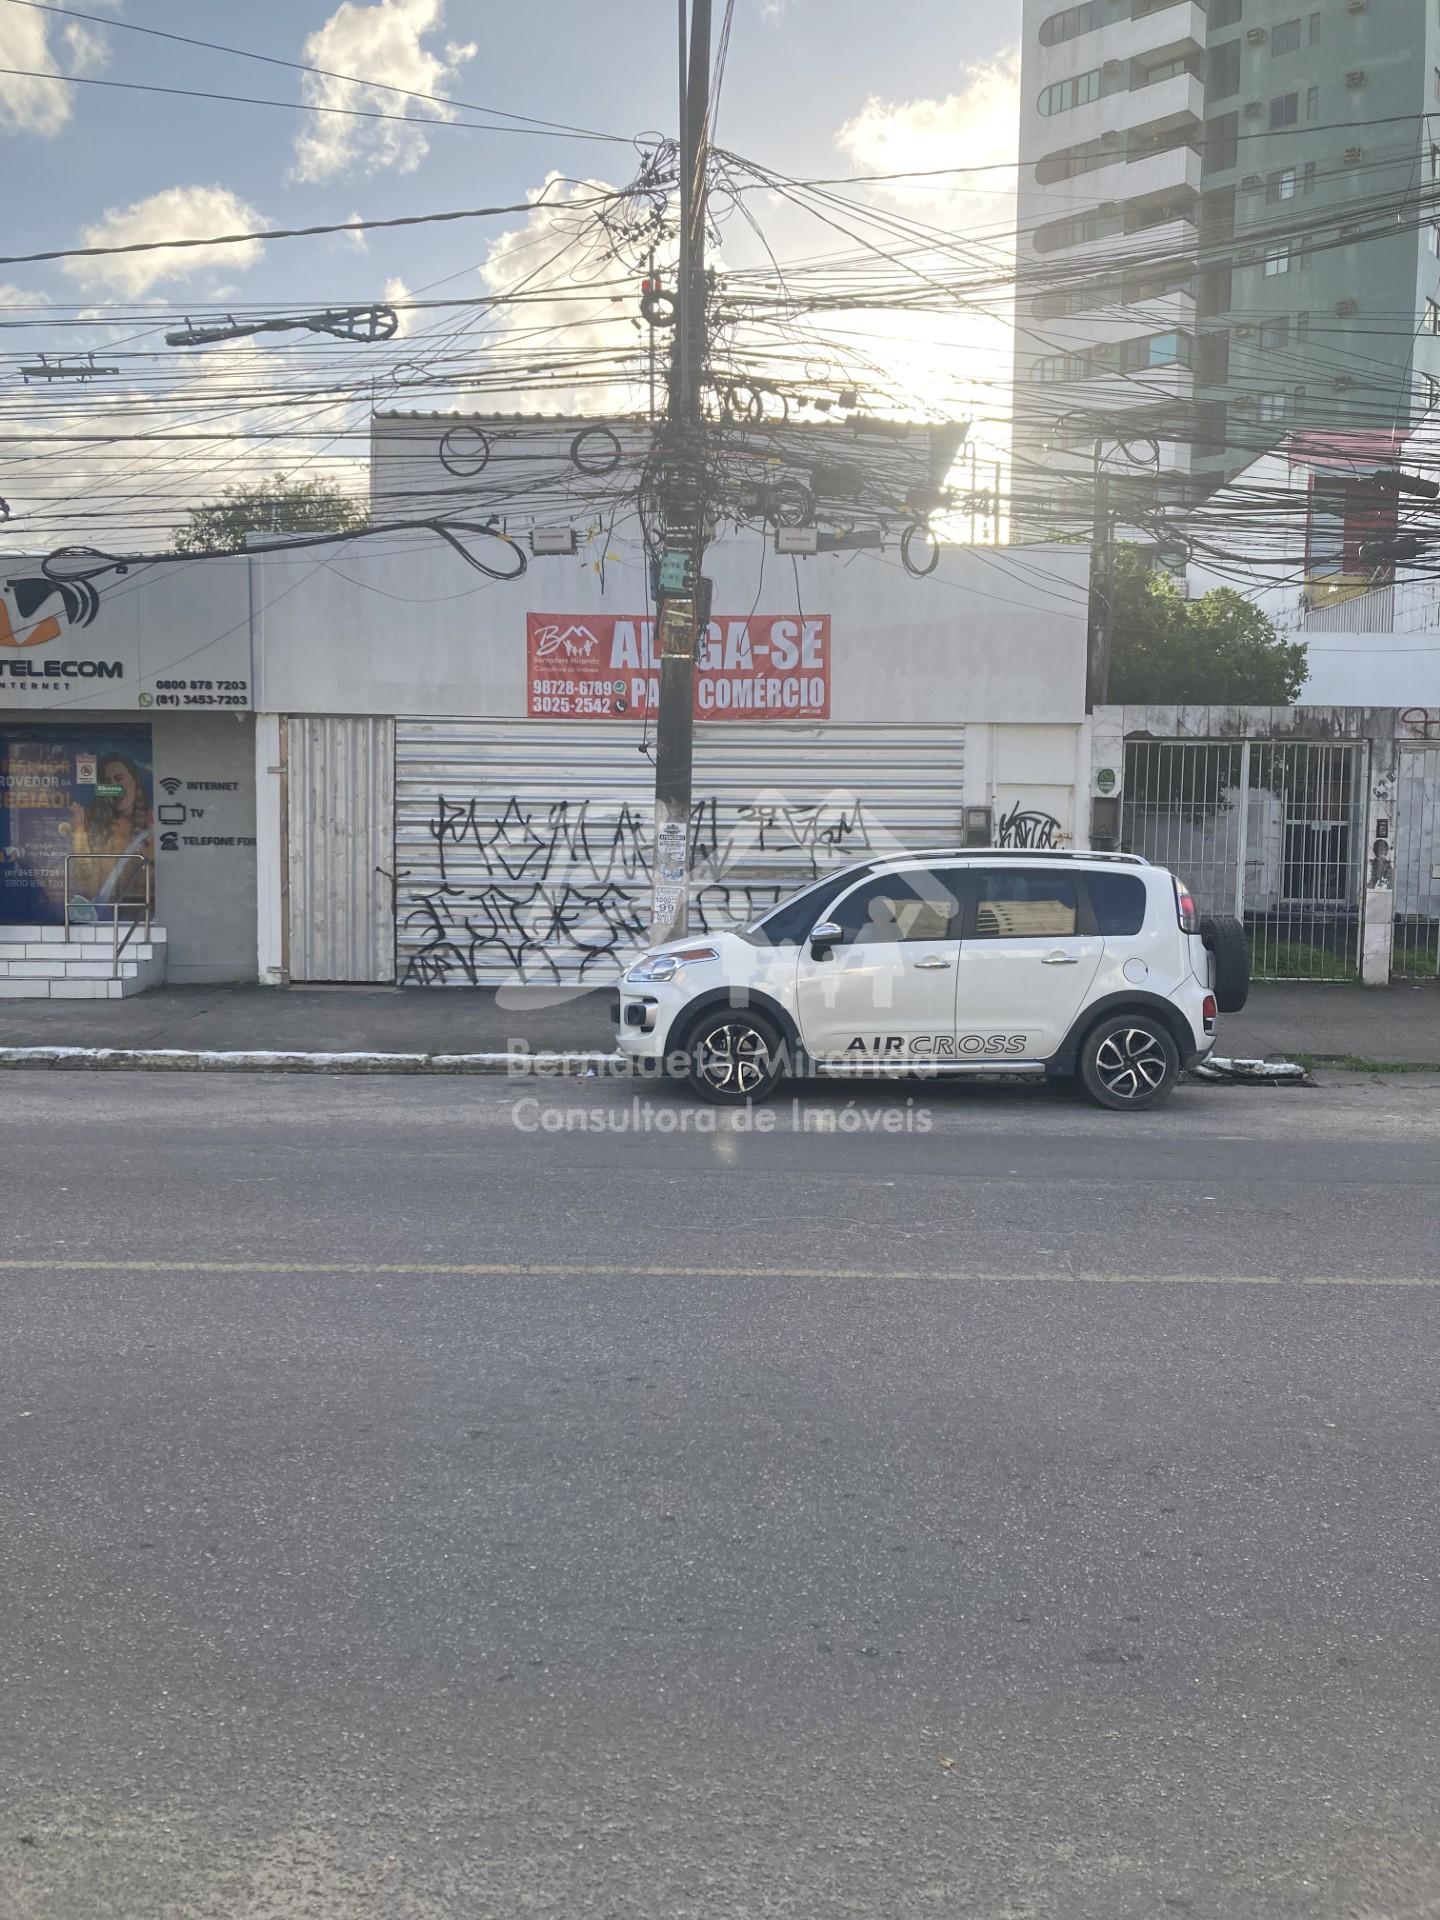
(683, 603)
(1102, 589)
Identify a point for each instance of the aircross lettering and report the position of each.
(938, 1046)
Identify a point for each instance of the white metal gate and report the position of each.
(1270, 831)
(340, 805)
(1417, 861)
(523, 847)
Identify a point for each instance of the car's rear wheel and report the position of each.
(1129, 1062)
(734, 1057)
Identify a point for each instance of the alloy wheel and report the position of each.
(1130, 1063)
(734, 1059)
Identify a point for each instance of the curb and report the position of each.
(201, 1060)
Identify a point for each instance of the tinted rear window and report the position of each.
(1118, 900)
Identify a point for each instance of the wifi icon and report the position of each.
(171, 785)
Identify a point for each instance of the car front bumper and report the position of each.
(642, 1016)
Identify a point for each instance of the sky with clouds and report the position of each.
(813, 87)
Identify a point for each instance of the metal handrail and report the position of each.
(118, 945)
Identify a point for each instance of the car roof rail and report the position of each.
(1013, 853)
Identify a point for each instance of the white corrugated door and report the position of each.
(523, 847)
(339, 778)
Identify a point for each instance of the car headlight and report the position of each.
(654, 968)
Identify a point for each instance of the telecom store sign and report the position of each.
(130, 644)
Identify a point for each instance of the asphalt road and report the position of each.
(405, 1512)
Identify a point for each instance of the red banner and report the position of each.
(606, 666)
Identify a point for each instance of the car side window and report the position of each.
(789, 923)
(1118, 902)
(900, 908)
(1010, 905)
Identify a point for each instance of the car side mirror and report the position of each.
(823, 938)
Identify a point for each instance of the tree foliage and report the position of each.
(301, 506)
(1217, 650)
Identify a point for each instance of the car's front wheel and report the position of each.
(734, 1057)
(1129, 1061)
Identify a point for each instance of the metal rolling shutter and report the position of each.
(340, 808)
(523, 847)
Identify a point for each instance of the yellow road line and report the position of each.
(511, 1269)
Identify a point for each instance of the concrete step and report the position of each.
(83, 936)
(35, 962)
(40, 963)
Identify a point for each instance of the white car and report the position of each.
(947, 962)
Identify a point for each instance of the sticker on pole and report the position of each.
(607, 667)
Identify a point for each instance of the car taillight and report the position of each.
(1208, 1011)
(1185, 906)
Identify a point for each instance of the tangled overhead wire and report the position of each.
(79, 568)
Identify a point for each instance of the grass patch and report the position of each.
(1415, 963)
(1357, 1063)
(1297, 960)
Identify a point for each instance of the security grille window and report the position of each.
(1118, 902)
(1274, 406)
(1434, 238)
(1070, 23)
(1312, 103)
(1285, 36)
(1285, 110)
(1314, 29)
(1280, 186)
(1302, 328)
(1277, 260)
(1273, 334)
(1078, 91)
(904, 908)
(1435, 163)
(1010, 905)
(1430, 390)
(1432, 316)
(1308, 177)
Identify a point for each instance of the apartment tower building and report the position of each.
(1227, 230)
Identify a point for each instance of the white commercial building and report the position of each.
(456, 774)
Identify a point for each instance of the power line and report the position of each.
(288, 106)
(307, 233)
(299, 66)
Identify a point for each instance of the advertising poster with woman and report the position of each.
(86, 792)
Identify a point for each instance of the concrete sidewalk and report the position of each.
(1396, 1024)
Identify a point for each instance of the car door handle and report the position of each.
(1060, 960)
(933, 960)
